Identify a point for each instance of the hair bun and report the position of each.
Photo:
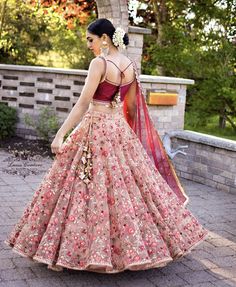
(126, 39)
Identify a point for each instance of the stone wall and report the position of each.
(210, 160)
(30, 88)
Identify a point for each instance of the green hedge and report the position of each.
(8, 119)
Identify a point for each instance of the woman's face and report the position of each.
(93, 43)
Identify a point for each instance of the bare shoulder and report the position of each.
(97, 65)
(98, 61)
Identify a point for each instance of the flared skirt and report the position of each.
(125, 216)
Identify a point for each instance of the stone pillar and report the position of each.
(117, 12)
(114, 10)
(135, 48)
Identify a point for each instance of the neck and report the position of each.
(113, 51)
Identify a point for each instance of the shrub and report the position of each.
(46, 124)
(8, 119)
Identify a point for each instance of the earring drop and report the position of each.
(104, 48)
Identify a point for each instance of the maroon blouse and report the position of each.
(107, 89)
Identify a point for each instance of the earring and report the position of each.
(104, 48)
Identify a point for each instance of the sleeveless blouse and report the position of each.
(107, 89)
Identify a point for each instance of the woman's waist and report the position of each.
(110, 107)
(100, 110)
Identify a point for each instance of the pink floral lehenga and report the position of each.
(111, 200)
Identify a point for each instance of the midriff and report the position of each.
(104, 106)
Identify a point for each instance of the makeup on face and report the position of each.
(93, 43)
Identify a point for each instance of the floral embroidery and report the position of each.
(126, 218)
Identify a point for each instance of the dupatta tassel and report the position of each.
(86, 158)
(144, 128)
(116, 100)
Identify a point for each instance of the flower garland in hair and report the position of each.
(117, 38)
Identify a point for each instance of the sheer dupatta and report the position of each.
(148, 135)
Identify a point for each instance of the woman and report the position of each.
(111, 200)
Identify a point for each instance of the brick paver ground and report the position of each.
(212, 263)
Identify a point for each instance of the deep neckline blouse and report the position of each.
(106, 89)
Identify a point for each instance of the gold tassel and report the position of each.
(86, 159)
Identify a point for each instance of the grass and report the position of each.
(213, 129)
(52, 59)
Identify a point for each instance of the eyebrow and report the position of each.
(88, 38)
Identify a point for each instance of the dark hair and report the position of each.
(104, 26)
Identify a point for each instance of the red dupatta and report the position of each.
(148, 135)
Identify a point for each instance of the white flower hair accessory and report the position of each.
(117, 38)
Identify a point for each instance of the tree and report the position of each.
(30, 30)
(23, 33)
(195, 39)
(74, 12)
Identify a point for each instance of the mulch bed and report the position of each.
(25, 148)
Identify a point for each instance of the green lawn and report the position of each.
(52, 59)
(212, 129)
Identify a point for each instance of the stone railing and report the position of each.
(210, 160)
(28, 88)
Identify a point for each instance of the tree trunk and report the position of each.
(4, 6)
(222, 122)
(160, 18)
(231, 122)
(222, 117)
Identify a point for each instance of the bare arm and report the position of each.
(94, 76)
(131, 100)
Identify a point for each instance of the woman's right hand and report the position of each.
(56, 144)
